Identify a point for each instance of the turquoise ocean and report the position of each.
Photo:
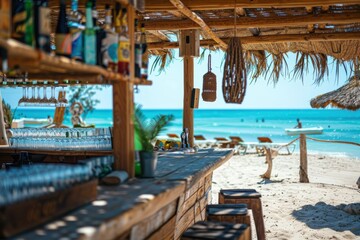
(341, 125)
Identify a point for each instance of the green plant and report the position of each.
(8, 114)
(148, 129)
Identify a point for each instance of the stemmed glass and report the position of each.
(24, 98)
(63, 101)
(52, 98)
(32, 100)
(44, 100)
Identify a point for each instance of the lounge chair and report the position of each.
(202, 142)
(172, 135)
(238, 144)
(224, 142)
(267, 142)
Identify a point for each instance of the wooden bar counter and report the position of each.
(155, 208)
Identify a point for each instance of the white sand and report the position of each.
(296, 210)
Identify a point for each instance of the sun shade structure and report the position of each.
(314, 30)
(346, 97)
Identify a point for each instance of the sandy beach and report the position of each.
(294, 210)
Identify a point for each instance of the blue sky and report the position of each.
(167, 89)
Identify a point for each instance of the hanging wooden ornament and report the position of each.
(209, 84)
(234, 78)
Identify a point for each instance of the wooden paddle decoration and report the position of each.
(209, 84)
(234, 79)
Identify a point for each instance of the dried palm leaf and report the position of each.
(162, 60)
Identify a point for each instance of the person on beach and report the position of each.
(299, 124)
(50, 120)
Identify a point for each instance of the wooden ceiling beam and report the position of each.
(250, 22)
(196, 19)
(165, 5)
(159, 34)
(314, 37)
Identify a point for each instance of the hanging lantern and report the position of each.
(209, 84)
(234, 79)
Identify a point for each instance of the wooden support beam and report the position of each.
(303, 172)
(159, 34)
(313, 37)
(250, 22)
(164, 5)
(176, 14)
(188, 112)
(123, 107)
(195, 18)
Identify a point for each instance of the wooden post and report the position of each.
(188, 114)
(123, 108)
(303, 160)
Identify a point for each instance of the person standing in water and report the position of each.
(299, 124)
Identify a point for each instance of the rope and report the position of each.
(333, 141)
(209, 62)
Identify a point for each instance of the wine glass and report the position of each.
(23, 99)
(52, 99)
(44, 99)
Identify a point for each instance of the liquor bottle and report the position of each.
(29, 23)
(42, 25)
(138, 53)
(18, 20)
(109, 45)
(99, 32)
(124, 46)
(63, 37)
(145, 56)
(89, 38)
(76, 30)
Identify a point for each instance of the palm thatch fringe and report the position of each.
(273, 65)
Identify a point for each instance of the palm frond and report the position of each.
(162, 60)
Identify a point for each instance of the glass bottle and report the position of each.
(29, 23)
(99, 33)
(89, 38)
(138, 53)
(109, 45)
(42, 25)
(76, 30)
(124, 46)
(145, 56)
(18, 20)
(63, 39)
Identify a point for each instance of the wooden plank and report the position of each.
(29, 213)
(164, 5)
(198, 20)
(188, 112)
(311, 37)
(166, 232)
(149, 225)
(258, 22)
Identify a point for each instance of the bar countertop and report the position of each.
(118, 208)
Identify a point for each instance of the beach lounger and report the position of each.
(267, 142)
(172, 135)
(202, 142)
(224, 142)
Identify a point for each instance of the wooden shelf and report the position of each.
(42, 66)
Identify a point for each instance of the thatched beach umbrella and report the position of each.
(346, 97)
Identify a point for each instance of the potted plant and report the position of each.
(147, 130)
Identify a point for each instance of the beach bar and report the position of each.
(67, 200)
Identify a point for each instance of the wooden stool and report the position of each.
(253, 200)
(231, 213)
(217, 231)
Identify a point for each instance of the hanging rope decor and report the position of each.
(234, 79)
(209, 84)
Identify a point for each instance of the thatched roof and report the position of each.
(269, 29)
(346, 97)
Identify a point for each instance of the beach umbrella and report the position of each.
(346, 97)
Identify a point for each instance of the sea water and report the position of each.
(338, 125)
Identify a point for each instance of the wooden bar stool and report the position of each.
(231, 213)
(253, 200)
(217, 231)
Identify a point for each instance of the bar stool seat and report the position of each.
(231, 213)
(217, 231)
(253, 200)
